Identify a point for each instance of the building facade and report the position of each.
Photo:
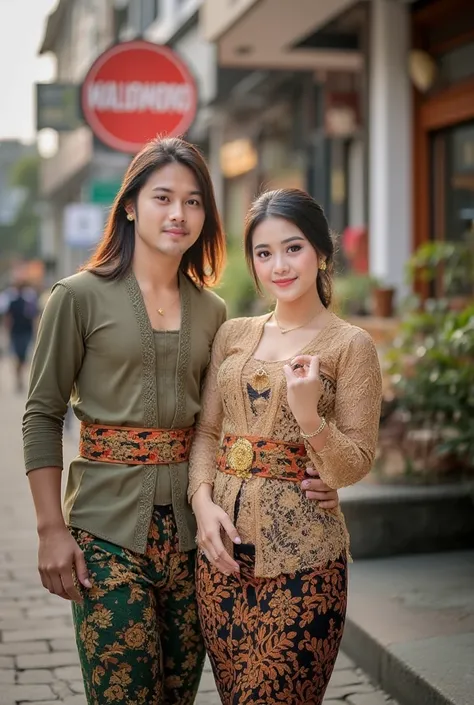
(368, 105)
(76, 33)
(296, 116)
(386, 137)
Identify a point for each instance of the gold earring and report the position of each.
(130, 216)
(323, 266)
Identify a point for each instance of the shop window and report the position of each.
(453, 182)
(452, 192)
(456, 65)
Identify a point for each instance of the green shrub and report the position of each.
(432, 367)
(237, 287)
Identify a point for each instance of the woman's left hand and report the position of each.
(304, 388)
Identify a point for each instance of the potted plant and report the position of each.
(432, 370)
(352, 293)
(383, 301)
(450, 265)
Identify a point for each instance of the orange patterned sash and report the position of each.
(253, 456)
(135, 446)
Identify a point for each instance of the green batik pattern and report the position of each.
(137, 630)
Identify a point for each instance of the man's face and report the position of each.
(169, 216)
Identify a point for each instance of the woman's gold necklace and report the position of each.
(261, 378)
(283, 331)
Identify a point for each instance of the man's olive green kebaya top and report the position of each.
(96, 346)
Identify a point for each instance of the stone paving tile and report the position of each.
(207, 684)
(346, 677)
(7, 676)
(68, 673)
(63, 644)
(30, 693)
(49, 660)
(28, 647)
(208, 699)
(377, 698)
(61, 689)
(52, 632)
(76, 686)
(344, 692)
(35, 676)
(343, 662)
(34, 625)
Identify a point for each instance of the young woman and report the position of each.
(283, 390)
(129, 337)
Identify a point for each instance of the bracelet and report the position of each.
(319, 430)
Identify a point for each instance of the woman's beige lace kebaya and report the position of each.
(289, 531)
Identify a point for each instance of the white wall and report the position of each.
(356, 186)
(390, 139)
(202, 60)
(174, 13)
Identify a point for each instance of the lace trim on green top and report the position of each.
(150, 413)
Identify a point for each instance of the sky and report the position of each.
(22, 24)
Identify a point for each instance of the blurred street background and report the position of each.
(369, 106)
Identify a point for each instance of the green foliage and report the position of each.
(22, 237)
(25, 173)
(237, 287)
(451, 262)
(352, 294)
(432, 367)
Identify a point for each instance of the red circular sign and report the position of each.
(136, 91)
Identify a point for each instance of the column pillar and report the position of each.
(390, 138)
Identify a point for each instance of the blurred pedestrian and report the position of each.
(20, 317)
(295, 386)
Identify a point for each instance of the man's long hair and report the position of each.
(204, 261)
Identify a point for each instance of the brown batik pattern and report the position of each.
(249, 456)
(135, 446)
(272, 640)
(137, 630)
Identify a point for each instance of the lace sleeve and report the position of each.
(202, 459)
(350, 447)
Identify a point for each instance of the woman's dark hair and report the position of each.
(299, 208)
(204, 260)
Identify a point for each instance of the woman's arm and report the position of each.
(211, 519)
(202, 460)
(343, 452)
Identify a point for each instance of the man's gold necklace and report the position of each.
(161, 310)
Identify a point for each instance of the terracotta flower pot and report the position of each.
(383, 302)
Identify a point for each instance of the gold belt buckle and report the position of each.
(240, 458)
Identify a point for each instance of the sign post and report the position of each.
(57, 107)
(83, 224)
(135, 91)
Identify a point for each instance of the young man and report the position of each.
(130, 337)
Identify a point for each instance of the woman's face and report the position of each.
(285, 261)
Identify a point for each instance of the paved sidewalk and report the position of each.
(38, 660)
